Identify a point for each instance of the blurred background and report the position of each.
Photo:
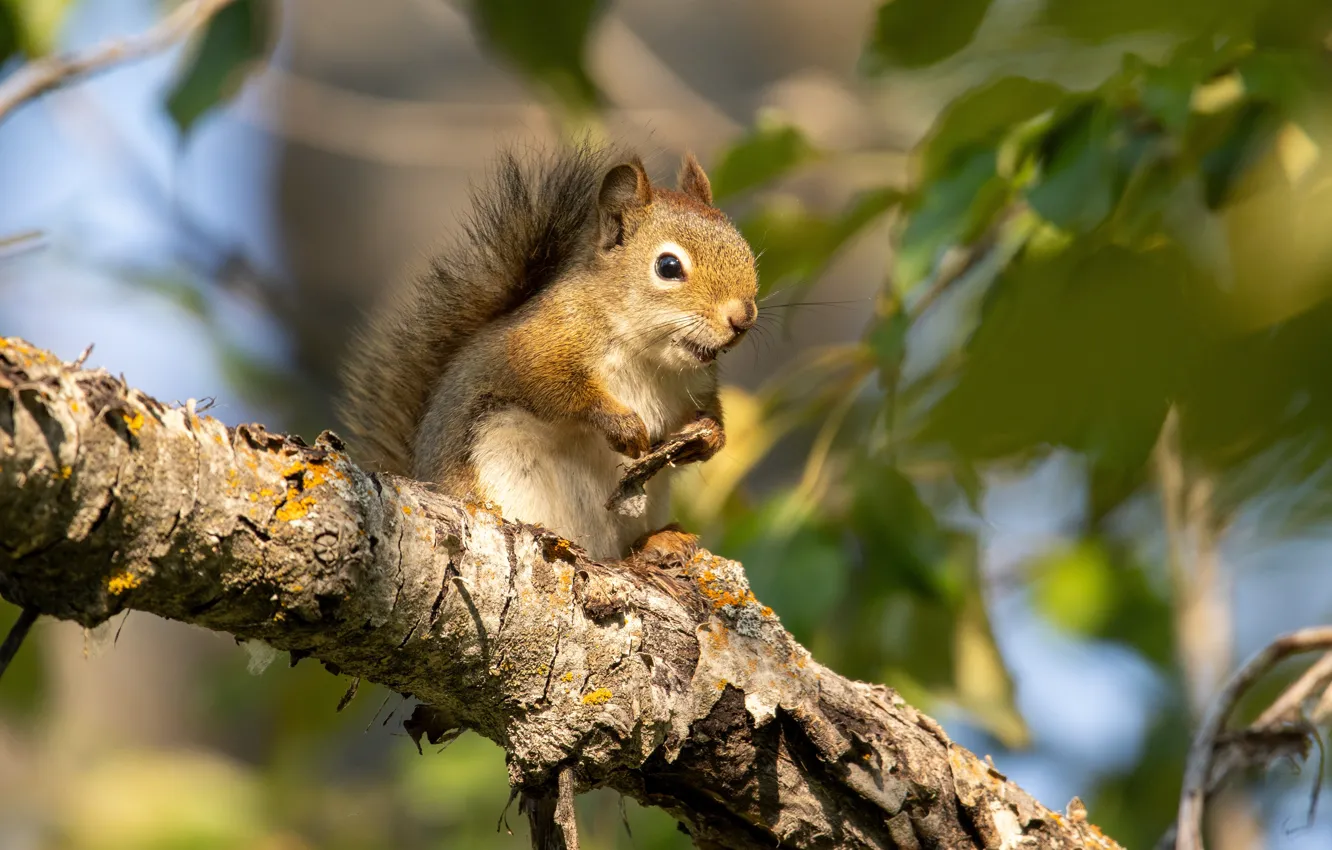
(1036, 428)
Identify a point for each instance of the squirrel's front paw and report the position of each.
(707, 437)
(626, 433)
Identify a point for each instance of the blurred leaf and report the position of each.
(23, 689)
(984, 686)
(887, 338)
(1095, 590)
(925, 646)
(144, 800)
(1080, 183)
(904, 545)
(1251, 131)
(34, 25)
(1075, 589)
(232, 44)
(1094, 21)
(545, 40)
(982, 116)
(1082, 349)
(1120, 468)
(794, 245)
(915, 33)
(951, 210)
(447, 788)
(1137, 805)
(1144, 616)
(179, 289)
(807, 580)
(1261, 409)
(1167, 92)
(1294, 24)
(765, 154)
(9, 32)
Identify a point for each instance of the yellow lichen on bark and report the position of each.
(121, 582)
(597, 697)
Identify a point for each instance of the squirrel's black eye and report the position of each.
(669, 267)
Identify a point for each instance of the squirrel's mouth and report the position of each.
(701, 353)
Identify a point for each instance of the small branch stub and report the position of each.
(684, 446)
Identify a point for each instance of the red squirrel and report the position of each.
(577, 323)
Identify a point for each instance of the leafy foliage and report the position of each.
(30, 27)
(544, 40)
(771, 150)
(914, 33)
(235, 38)
(1146, 243)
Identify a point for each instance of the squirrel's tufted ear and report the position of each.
(693, 181)
(625, 191)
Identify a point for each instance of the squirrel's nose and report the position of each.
(741, 314)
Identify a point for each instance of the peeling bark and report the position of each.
(674, 686)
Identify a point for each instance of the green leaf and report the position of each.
(888, 340)
(1252, 132)
(910, 550)
(763, 155)
(916, 33)
(1080, 181)
(1294, 24)
(949, 211)
(1083, 349)
(1075, 589)
(545, 40)
(35, 24)
(1167, 92)
(25, 679)
(1090, 20)
(795, 245)
(984, 686)
(9, 32)
(981, 117)
(808, 580)
(234, 40)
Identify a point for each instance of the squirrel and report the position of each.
(577, 324)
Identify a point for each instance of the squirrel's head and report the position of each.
(687, 275)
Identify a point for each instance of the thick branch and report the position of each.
(676, 687)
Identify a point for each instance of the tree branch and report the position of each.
(1208, 742)
(42, 75)
(676, 687)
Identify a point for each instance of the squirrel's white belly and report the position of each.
(559, 475)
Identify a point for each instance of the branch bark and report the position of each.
(674, 686)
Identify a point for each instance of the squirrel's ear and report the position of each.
(694, 182)
(624, 191)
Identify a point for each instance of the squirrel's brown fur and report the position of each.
(549, 344)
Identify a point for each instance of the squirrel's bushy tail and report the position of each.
(528, 224)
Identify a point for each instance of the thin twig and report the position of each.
(1289, 707)
(19, 243)
(1198, 769)
(43, 75)
(1281, 730)
(630, 497)
(14, 639)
